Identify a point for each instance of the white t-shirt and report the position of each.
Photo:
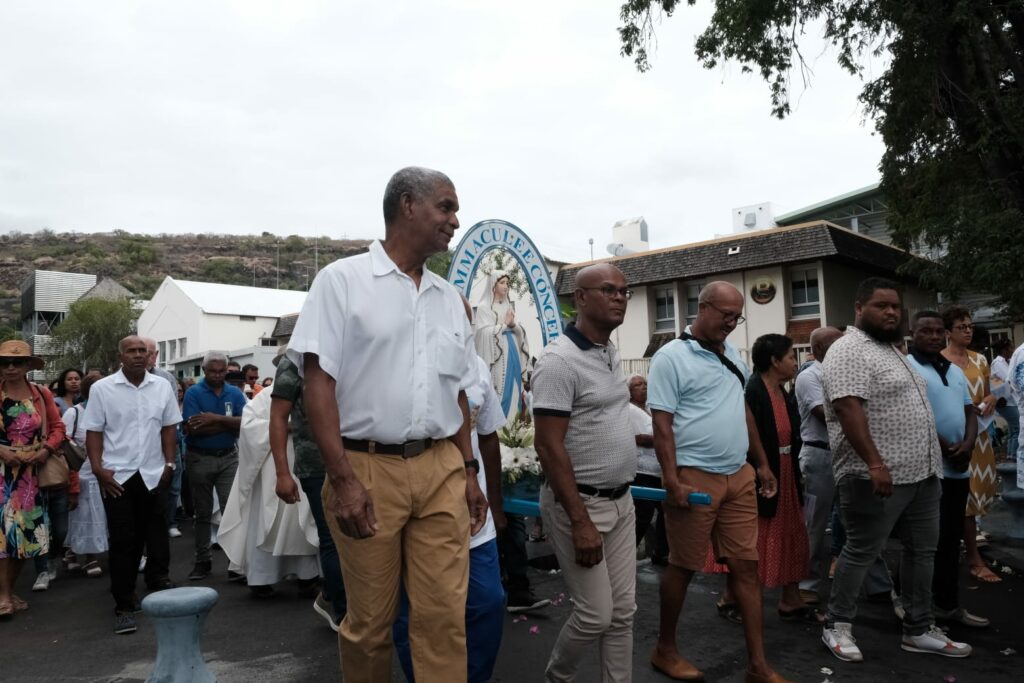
(130, 418)
(399, 354)
(643, 423)
(1000, 370)
(486, 416)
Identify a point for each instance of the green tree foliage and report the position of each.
(89, 335)
(440, 262)
(949, 107)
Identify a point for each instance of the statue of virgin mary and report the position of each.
(501, 341)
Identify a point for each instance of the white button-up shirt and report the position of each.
(130, 418)
(399, 354)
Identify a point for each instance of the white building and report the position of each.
(187, 319)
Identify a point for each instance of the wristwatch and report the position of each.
(473, 464)
(171, 465)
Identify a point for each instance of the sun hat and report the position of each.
(15, 348)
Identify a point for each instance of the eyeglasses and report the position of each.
(964, 327)
(726, 315)
(610, 291)
(16, 362)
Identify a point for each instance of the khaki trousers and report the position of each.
(422, 542)
(604, 596)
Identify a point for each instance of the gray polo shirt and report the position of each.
(583, 381)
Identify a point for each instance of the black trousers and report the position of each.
(946, 578)
(645, 510)
(136, 521)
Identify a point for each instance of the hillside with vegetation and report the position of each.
(141, 262)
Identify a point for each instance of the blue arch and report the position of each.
(491, 234)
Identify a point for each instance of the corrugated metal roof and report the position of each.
(54, 292)
(259, 302)
(770, 247)
(807, 212)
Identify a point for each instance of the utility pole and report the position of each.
(591, 240)
(277, 243)
(316, 254)
(254, 274)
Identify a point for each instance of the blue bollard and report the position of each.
(178, 615)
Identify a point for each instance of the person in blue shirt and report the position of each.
(211, 417)
(957, 428)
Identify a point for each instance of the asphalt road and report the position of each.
(67, 635)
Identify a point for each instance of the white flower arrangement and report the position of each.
(518, 457)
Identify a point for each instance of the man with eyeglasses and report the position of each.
(587, 449)
(703, 431)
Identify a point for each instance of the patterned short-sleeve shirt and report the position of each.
(288, 385)
(895, 399)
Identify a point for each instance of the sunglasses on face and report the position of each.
(16, 362)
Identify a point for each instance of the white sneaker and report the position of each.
(934, 641)
(840, 642)
(42, 582)
(174, 532)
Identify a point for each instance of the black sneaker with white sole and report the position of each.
(124, 623)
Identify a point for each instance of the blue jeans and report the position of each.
(485, 617)
(1012, 416)
(56, 502)
(330, 567)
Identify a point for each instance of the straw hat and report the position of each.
(15, 348)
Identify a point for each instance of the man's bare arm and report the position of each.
(854, 421)
(286, 488)
(475, 498)
(353, 506)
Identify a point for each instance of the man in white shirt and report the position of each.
(387, 354)
(1016, 379)
(1007, 405)
(131, 440)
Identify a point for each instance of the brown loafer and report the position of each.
(678, 670)
(18, 604)
(752, 677)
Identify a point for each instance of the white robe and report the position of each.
(263, 537)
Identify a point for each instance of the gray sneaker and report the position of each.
(124, 623)
(323, 608)
(960, 616)
(934, 641)
(840, 641)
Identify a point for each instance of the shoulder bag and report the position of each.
(73, 453)
(54, 473)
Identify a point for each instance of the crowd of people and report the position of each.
(370, 469)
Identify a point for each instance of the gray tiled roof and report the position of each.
(764, 248)
(285, 325)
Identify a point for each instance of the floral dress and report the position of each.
(24, 526)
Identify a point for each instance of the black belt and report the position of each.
(823, 445)
(217, 452)
(613, 494)
(409, 449)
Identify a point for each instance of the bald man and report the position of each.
(816, 460)
(703, 432)
(586, 446)
(133, 467)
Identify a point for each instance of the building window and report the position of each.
(183, 347)
(803, 288)
(692, 301)
(268, 341)
(664, 309)
(246, 317)
(161, 349)
(172, 349)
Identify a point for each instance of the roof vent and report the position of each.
(733, 251)
(750, 220)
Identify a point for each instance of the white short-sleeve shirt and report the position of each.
(130, 418)
(487, 417)
(399, 355)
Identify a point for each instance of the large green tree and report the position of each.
(949, 107)
(89, 334)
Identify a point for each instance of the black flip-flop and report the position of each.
(805, 614)
(729, 611)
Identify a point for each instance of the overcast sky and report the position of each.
(289, 117)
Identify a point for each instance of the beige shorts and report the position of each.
(730, 521)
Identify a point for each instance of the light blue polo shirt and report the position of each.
(707, 403)
(947, 405)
